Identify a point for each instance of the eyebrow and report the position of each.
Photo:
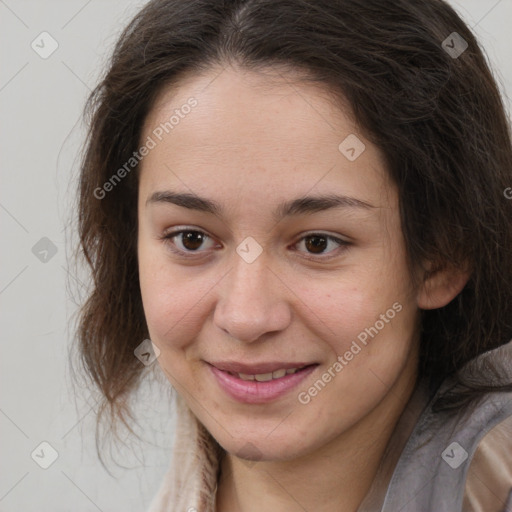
(300, 206)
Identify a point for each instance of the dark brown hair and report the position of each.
(439, 121)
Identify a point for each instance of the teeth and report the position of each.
(264, 377)
(245, 376)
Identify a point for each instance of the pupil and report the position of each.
(194, 238)
(315, 245)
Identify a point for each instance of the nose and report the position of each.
(252, 301)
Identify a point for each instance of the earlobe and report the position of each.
(441, 286)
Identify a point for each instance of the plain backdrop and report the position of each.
(41, 101)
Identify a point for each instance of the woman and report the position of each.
(302, 205)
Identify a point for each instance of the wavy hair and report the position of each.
(438, 119)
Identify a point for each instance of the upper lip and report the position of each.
(256, 368)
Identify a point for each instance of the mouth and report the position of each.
(261, 383)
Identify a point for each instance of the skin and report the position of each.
(252, 141)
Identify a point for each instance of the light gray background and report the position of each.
(41, 134)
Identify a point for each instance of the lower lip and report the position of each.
(254, 392)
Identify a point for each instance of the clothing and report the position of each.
(448, 461)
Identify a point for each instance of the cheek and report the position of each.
(175, 299)
(367, 352)
(342, 308)
(369, 319)
(165, 298)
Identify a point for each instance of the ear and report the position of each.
(441, 285)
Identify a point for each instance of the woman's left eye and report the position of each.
(315, 242)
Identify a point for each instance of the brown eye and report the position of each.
(318, 243)
(191, 241)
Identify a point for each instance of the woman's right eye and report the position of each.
(190, 243)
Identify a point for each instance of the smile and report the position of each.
(258, 388)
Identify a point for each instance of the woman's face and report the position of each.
(272, 170)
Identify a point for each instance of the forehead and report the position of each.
(256, 132)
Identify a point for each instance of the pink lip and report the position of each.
(254, 392)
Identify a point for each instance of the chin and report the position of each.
(262, 449)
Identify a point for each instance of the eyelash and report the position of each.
(167, 239)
